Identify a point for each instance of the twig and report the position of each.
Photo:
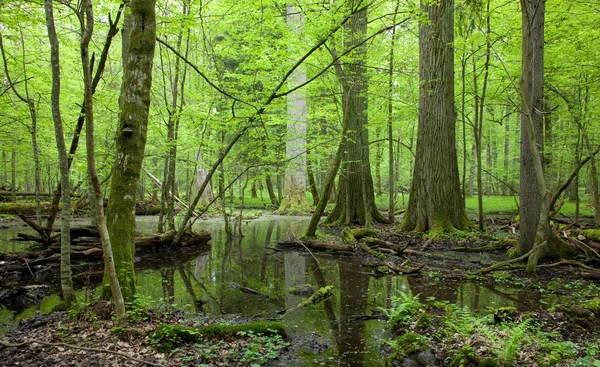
(307, 249)
(98, 350)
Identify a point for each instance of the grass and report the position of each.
(491, 204)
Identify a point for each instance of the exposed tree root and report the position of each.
(503, 264)
(499, 245)
(97, 350)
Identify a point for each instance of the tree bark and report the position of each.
(294, 195)
(86, 19)
(66, 279)
(131, 140)
(436, 202)
(355, 200)
(532, 88)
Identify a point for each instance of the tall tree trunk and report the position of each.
(294, 197)
(436, 202)
(532, 89)
(355, 201)
(507, 136)
(66, 280)
(390, 119)
(86, 19)
(131, 140)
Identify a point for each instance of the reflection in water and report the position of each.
(326, 333)
(354, 290)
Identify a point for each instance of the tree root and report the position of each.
(571, 262)
(503, 264)
(98, 350)
(499, 245)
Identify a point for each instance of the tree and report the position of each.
(532, 92)
(66, 280)
(294, 196)
(86, 20)
(131, 140)
(355, 201)
(436, 201)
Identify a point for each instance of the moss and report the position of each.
(222, 330)
(593, 234)
(320, 295)
(170, 336)
(593, 305)
(350, 236)
(409, 343)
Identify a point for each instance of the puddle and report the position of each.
(324, 334)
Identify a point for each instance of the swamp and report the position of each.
(342, 183)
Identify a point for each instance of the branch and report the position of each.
(10, 82)
(572, 177)
(196, 69)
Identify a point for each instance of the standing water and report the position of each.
(332, 332)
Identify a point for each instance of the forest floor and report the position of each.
(563, 335)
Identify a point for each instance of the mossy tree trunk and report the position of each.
(131, 140)
(436, 202)
(66, 280)
(355, 200)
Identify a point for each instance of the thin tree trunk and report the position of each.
(13, 181)
(66, 280)
(390, 119)
(86, 18)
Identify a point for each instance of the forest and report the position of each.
(424, 174)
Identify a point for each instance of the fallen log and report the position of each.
(249, 290)
(402, 269)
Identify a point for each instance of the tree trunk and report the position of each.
(271, 191)
(131, 140)
(355, 200)
(13, 180)
(436, 202)
(532, 88)
(87, 27)
(66, 280)
(294, 196)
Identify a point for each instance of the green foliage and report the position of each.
(170, 336)
(404, 308)
(223, 330)
(500, 338)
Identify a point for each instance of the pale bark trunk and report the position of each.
(87, 28)
(66, 279)
(436, 202)
(294, 195)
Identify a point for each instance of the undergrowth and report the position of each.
(438, 333)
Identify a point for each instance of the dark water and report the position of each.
(326, 333)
